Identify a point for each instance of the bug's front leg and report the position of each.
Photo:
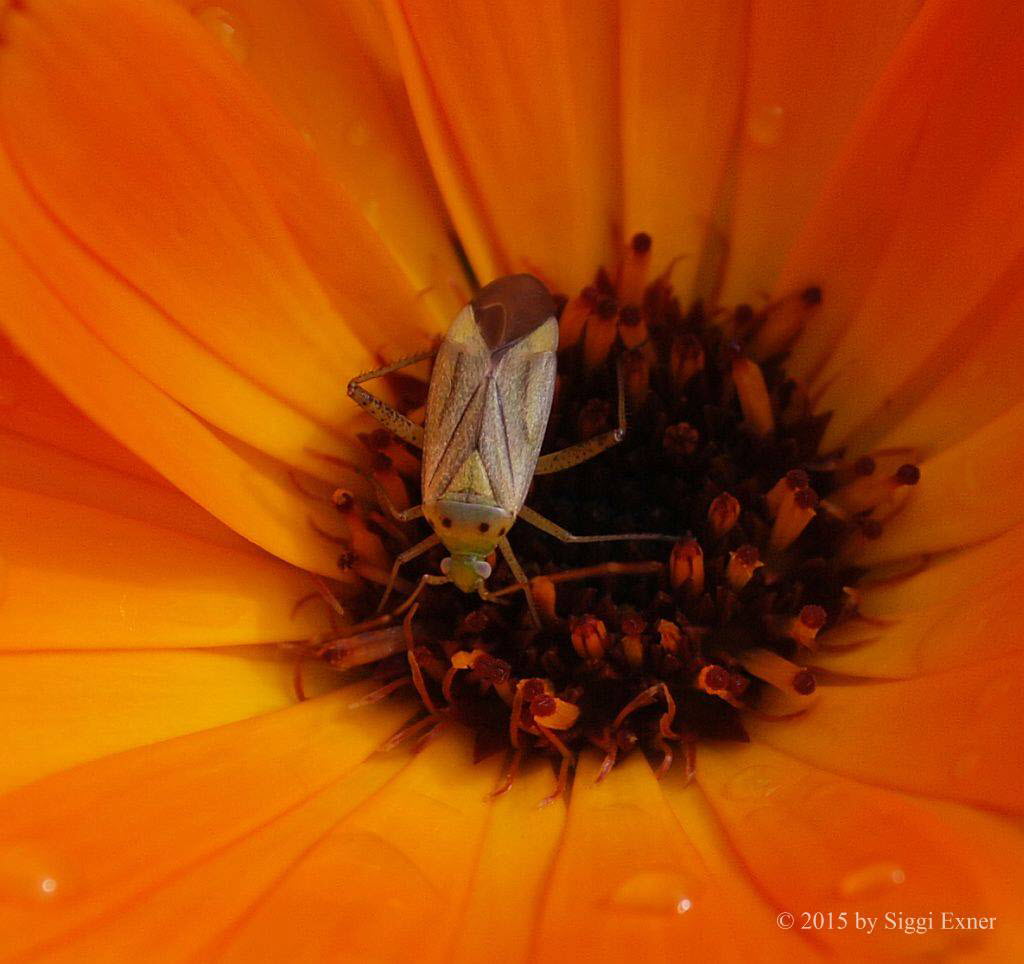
(584, 451)
(401, 559)
(564, 535)
(394, 421)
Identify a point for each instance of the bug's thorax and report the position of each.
(468, 528)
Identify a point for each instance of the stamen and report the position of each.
(753, 394)
(743, 563)
(589, 637)
(795, 511)
(575, 316)
(804, 627)
(366, 648)
(785, 676)
(681, 440)
(723, 514)
(637, 373)
(632, 327)
(636, 264)
(600, 333)
(784, 320)
(686, 359)
(686, 566)
(869, 490)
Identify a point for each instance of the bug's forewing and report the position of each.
(515, 413)
(454, 404)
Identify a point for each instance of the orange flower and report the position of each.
(211, 218)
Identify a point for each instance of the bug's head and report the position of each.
(468, 571)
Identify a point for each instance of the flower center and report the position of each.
(640, 648)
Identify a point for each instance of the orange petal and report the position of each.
(332, 70)
(810, 66)
(81, 846)
(214, 894)
(916, 224)
(626, 876)
(61, 709)
(818, 843)
(219, 263)
(248, 491)
(956, 612)
(78, 577)
(967, 493)
(681, 68)
(48, 446)
(388, 880)
(950, 735)
(511, 871)
(512, 103)
(971, 377)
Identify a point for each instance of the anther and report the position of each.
(633, 650)
(723, 514)
(686, 566)
(753, 394)
(743, 563)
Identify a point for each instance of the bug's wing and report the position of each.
(516, 406)
(455, 403)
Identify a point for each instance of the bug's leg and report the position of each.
(395, 422)
(520, 577)
(402, 558)
(584, 451)
(554, 529)
(402, 515)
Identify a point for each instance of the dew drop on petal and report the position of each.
(764, 125)
(653, 892)
(30, 873)
(873, 879)
(225, 26)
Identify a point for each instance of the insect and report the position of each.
(488, 404)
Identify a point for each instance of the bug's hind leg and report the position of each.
(401, 559)
(394, 421)
(564, 535)
(584, 451)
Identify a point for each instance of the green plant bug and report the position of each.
(488, 404)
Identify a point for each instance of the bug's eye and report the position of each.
(481, 568)
(446, 522)
(484, 526)
(446, 566)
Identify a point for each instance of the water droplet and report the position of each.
(654, 892)
(872, 880)
(225, 26)
(764, 125)
(753, 784)
(32, 874)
